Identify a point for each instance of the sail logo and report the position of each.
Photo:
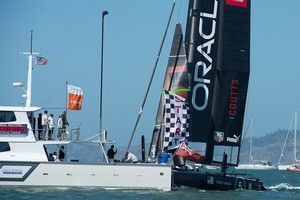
(233, 100)
(239, 3)
(235, 139)
(204, 66)
(219, 136)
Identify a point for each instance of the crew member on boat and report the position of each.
(111, 154)
(130, 158)
(65, 123)
(44, 124)
(164, 157)
(61, 153)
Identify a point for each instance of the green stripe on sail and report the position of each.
(178, 90)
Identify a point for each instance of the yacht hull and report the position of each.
(104, 175)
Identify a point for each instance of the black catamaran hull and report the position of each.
(216, 181)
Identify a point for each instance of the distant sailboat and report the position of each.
(295, 166)
(255, 164)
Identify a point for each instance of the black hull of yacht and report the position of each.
(216, 181)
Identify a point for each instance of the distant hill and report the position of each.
(266, 148)
(269, 147)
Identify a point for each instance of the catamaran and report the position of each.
(207, 80)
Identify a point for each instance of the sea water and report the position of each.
(280, 185)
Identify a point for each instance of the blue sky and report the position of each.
(68, 33)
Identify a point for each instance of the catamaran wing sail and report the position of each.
(176, 81)
(218, 55)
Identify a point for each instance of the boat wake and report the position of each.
(284, 186)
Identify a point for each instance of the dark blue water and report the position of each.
(280, 185)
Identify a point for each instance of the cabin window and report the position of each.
(4, 146)
(7, 116)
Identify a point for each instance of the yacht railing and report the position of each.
(71, 134)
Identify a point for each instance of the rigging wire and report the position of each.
(245, 133)
(181, 13)
(54, 95)
(152, 75)
(178, 13)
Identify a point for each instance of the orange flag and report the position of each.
(75, 96)
(186, 152)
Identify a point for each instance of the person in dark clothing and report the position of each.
(61, 153)
(65, 123)
(224, 164)
(40, 127)
(111, 154)
(32, 123)
(50, 157)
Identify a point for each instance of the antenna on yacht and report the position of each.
(67, 96)
(29, 77)
(101, 79)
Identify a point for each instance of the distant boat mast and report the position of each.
(29, 78)
(101, 79)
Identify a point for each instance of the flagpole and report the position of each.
(31, 42)
(101, 79)
(29, 78)
(29, 75)
(67, 96)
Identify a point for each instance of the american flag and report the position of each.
(41, 60)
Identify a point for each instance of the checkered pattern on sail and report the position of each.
(177, 120)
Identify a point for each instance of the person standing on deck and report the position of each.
(40, 127)
(44, 124)
(164, 157)
(111, 154)
(32, 122)
(59, 127)
(51, 127)
(65, 124)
